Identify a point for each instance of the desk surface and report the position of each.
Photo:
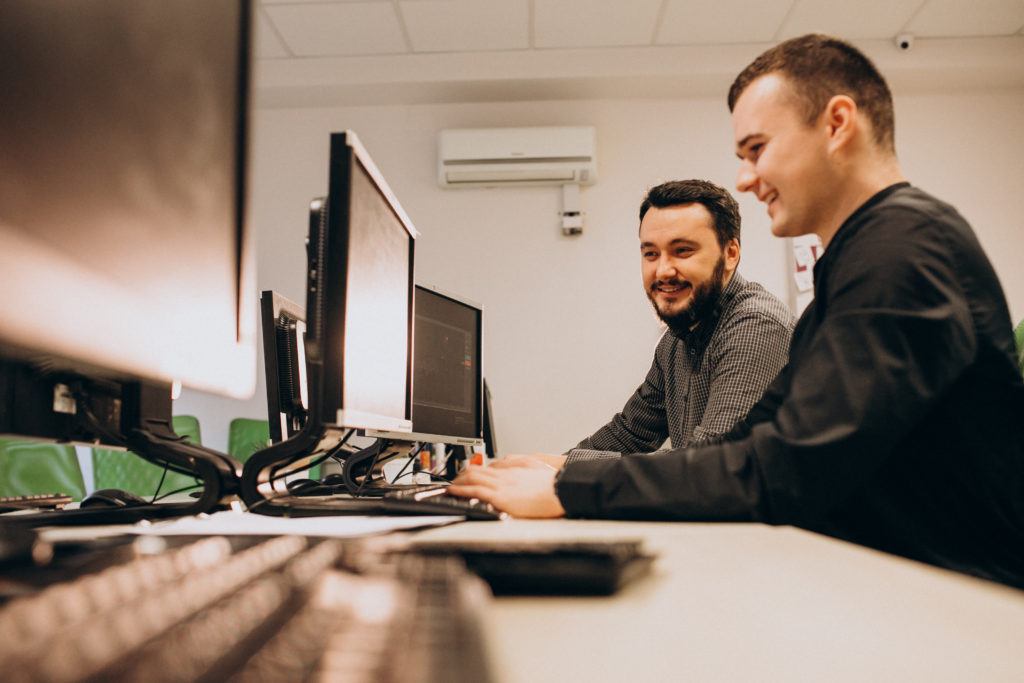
(747, 602)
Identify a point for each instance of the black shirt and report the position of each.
(896, 423)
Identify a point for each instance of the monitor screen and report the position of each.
(123, 246)
(447, 369)
(360, 297)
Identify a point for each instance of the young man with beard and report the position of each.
(897, 423)
(727, 338)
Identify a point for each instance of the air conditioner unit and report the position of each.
(490, 157)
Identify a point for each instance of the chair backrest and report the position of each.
(130, 472)
(246, 436)
(30, 467)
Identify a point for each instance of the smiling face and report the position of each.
(683, 266)
(785, 161)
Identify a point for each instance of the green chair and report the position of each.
(1018, 335)
(246, 436)
(130, 472)
(31, 467)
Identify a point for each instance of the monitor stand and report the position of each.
(71, 407)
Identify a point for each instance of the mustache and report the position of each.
(670, 283)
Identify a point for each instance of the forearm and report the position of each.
(714, 483)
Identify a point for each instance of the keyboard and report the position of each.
(433, 499)
(548, 566)
(279, 609)
(427, 499)
(34, 501)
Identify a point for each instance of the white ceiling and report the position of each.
(372, 51)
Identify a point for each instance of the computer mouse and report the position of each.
(334, 479)
(112, 498)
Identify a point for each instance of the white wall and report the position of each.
(569, 332)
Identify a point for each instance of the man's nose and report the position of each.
(746, 178)
(666, 269)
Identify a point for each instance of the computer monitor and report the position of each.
(359, 322)
(447, 363)
(284, 360)
(490, 440)
(123, 244)
(447, 386)
(359, 302)
(125, 259)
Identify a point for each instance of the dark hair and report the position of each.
(817, 68)
(717, 200)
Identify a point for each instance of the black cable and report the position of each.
(159, 484)
(412, 458)
(278, 474)
(369, 470)
(176, 491)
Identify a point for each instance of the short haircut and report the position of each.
(725, 213)
(817, 68)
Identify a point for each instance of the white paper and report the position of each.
(804, 280)
(230, 523)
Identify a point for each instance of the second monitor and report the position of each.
(447, 386)
(447, 383)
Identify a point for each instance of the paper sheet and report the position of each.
(230, 523)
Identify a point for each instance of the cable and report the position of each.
(278, 474)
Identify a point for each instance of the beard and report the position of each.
(703, 302)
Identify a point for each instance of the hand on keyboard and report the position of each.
(437, 497)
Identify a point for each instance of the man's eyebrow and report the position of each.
(677, 240)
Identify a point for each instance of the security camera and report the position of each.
(905, 41)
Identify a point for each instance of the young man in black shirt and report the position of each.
(898, 422)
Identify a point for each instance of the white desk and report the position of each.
(745, 602)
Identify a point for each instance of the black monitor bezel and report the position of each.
(74, 353)
(327, 284)
(283, 423)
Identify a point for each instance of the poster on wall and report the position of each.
(807, 250)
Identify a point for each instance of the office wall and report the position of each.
(569, 332)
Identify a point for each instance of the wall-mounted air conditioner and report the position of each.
(489, 157)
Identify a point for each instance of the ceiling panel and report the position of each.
(975, 18)
(850, 20)
(321, 52)
(338, 28)
(701, 23)
(268, 44)
(466, 25)
(594, 23)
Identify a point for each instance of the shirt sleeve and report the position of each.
(746, 355)
(895, 338)
(583, 454)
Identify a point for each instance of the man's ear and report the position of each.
(731, 253)
(840, 119)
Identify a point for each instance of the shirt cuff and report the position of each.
(577, 487)
(584, 454)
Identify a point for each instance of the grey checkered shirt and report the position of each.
(700, 385)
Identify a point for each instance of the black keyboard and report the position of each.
(433, 499)
(406, 500)
(34, 501)
(283, 609)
